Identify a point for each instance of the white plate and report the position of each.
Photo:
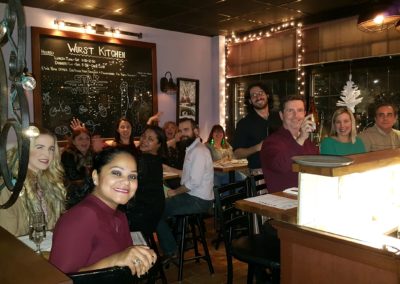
(322, 160)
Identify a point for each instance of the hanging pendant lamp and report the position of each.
(377, 18)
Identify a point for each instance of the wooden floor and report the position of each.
(198, 273)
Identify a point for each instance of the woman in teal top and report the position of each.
(342, 140)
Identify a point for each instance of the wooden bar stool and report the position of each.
(192, 223)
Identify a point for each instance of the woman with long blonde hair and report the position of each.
(343, 138)
(43, 189)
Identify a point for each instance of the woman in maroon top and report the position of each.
(94, 233)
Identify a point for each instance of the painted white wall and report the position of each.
(184, 55)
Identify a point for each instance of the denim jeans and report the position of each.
(178, 205)
(223, 178)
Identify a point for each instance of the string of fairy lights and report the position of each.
(260, 34)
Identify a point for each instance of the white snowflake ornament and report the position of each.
(350, 95)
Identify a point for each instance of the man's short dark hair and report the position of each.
(191, 120)
(263, 87)
(386, 104)
(291, 98)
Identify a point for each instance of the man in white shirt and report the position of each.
(382, 135)
(195, 195)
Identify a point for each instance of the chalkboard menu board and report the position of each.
(96, 79)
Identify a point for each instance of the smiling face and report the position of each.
(385, 118)
(170, 130)
(82, 142)
(41, 152)
(186, 130)
(124, 130)
(343, 126)
(293, 115)
(149, 142)
(258, 98)
(116, 183)
(217, 135)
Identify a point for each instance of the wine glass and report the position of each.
(37, 229)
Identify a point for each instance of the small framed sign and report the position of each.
(187, 100)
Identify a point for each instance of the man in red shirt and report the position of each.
(290, 140)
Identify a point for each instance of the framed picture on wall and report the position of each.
(187, 99)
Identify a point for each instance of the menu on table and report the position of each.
(275, 201)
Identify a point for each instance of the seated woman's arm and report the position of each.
(167, 168)
(74, 244)
(138, 258)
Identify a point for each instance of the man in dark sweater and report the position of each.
(254, 127)
(290, 140)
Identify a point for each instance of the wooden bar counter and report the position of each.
(352, 199)
(21, 265)
(315, 257)
(342, 221)
(362, 163)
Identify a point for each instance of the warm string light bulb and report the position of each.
(234, 39)
(262, 33)
(300, 51)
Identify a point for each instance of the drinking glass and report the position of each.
(37, 229)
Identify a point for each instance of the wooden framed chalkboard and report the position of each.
(94, 78)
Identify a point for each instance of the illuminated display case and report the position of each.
(346, 226)
(360, 201)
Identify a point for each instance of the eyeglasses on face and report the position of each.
(256, 94)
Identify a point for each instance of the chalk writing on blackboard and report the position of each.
(94, 80)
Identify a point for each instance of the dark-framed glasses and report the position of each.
(256, 94)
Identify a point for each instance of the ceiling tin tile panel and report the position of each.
(204, 17)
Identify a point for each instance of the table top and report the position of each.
(229, 166)
(20, 264)
(362, 162)
(169, 175)
(289, 215)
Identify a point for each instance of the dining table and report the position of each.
(169, 175)
(20, 264)
(230, 166)
(281, 207)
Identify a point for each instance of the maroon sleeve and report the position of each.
(311, 148)
(276, 153)
(71, 250)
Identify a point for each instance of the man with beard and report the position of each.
(195, 195)
(290, 140)
(254, 127)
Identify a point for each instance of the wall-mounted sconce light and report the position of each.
(167, 85)
(378, 18)
(94, 29)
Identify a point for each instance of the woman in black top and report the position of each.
(77, 159)
(123, 136)
(146, 208)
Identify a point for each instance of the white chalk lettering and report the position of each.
(111, 53)
(80, 49)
